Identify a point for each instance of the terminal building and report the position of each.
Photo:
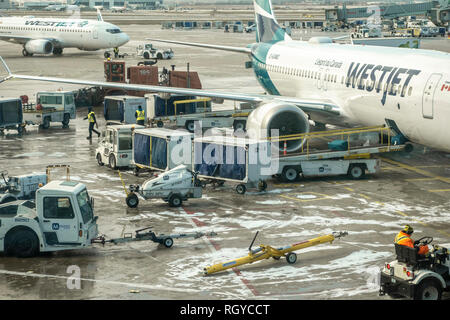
(5, 4)
(137, 4)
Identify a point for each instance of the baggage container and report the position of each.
(122, 108)
(158, 107)
(11, 114)
(244, 161)
(161, 149)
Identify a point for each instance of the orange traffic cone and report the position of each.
(285, 148)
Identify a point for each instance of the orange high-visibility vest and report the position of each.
(404, 239)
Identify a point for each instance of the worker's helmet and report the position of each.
(408, 229)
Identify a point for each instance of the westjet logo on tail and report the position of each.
(357, 75)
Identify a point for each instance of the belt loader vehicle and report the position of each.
(420, 277)
(173, 186)
(58, 106)
(115, 148)
(20, 187)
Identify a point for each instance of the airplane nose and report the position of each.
(125, 38)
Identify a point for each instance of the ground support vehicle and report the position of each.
(348, 152)
(184, 111)
(60, 219)
(174, 186)
(146, 234)
(123, 108)
(266, 252)
(147, 51)
(417, 276)
(20, 187)
(11, 115)
(115, 147)
(161, 149)
(58, 106)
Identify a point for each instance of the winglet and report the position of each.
(10, 75)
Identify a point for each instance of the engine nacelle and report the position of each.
(288, 119)
(39, 46)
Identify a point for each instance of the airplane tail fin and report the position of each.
(267, 27)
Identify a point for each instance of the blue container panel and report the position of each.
(141, 149)
(159, 153)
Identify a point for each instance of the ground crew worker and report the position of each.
(116, 52)
(92, 121)
(140, 116)
(404, 238)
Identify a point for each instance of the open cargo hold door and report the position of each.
(428, 95)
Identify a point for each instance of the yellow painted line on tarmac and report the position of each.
(416, 170)
(349, 189)
(439, 190)
(421, 179)
(365, 197)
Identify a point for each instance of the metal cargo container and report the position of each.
(158, 107)
(162, 149)
(245, 161)
(123, 108)
(11, 116)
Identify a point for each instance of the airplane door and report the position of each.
(95, 34)
(428, 95)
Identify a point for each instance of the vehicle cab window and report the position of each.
(58, 208)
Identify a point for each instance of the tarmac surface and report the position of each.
(410, 188)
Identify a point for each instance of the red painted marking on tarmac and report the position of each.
(216, 246)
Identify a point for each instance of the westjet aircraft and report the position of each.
(49, 35)
(330, 83)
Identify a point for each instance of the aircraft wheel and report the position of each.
(168, 242)
(291, 257)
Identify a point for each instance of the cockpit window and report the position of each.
(113, 30)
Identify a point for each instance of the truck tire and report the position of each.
(146, 55)
(262, 185)
(22, 243)
(428, 289)
(241, 188)
(66, 120)
(99, 160)
(356, 171)
(112, 162)
(168, 242)
(289, 174)
(291, 257)
(175, 200)
(20, 129)
(46, 123)
(159, 124)
(159, 56)
(132, 200)
(190, 125)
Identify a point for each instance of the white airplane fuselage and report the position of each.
(370, 84)
(64, 33)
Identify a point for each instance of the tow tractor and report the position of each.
(266, 252)
(417, 276)
(62, 218)
(19, 187)
(173, 186)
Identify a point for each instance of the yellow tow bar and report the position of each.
(266, 252)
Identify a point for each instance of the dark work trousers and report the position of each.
(91, 128)
(140, 122)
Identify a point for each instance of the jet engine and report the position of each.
(40, 46)
(286, 118)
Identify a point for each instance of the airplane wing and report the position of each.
(23, 40)
(13, 38)
(204, 45)
(323, 107)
